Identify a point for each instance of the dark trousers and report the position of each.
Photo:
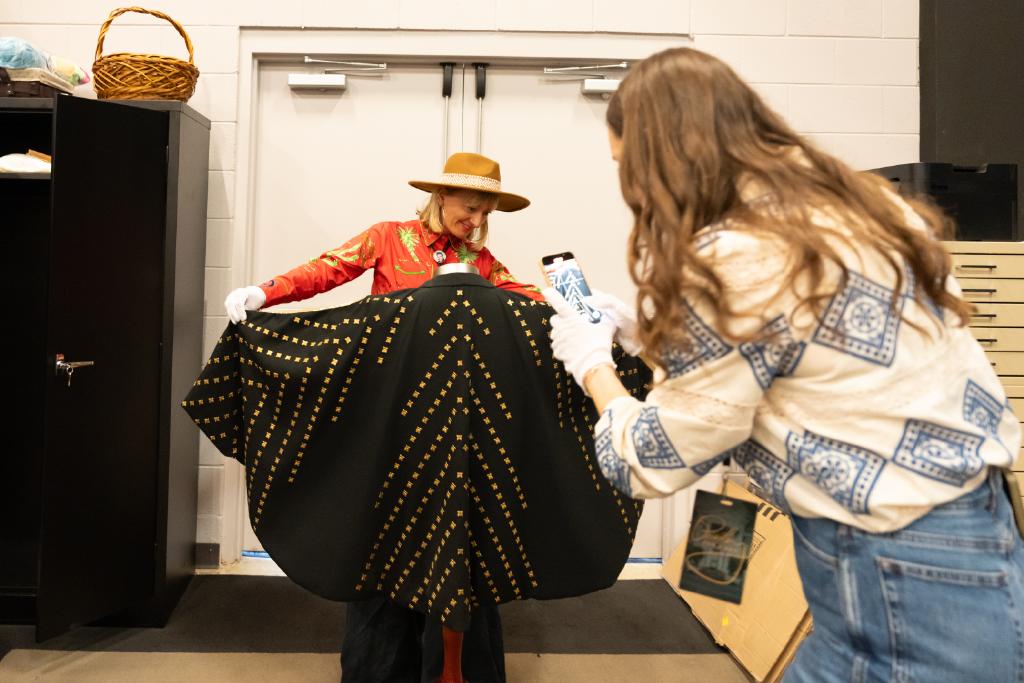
(385, 642)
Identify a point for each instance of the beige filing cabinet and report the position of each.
(991, 275)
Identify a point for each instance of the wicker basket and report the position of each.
(129, 76)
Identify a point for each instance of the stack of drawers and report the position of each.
(991, 275)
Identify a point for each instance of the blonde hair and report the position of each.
(431, 216)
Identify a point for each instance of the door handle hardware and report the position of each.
(69, 367)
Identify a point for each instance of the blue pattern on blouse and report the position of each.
(844, 471)
(860, 321)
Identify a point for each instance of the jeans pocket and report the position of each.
(950, 624)
(827, 561)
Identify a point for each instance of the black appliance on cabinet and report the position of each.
(981, 199)
(104, 263)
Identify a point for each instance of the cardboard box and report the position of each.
(764, 631)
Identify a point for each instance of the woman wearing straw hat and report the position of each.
(452, 228)
(384, 641)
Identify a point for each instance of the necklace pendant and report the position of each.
(440, 257)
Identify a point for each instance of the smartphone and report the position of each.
(564, 274)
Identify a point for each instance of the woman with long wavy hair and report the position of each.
(804, 324)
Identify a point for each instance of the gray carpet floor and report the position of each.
(256, 629)
(273, 615)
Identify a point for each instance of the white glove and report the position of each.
(580, 344)
(624, 317)
(242, 299)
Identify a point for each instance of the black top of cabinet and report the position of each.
(159, 105)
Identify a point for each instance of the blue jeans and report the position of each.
(939, 600)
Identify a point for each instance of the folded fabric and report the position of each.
(422, 445)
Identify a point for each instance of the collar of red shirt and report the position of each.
(430, 237)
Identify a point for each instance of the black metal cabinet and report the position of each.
(103, 262)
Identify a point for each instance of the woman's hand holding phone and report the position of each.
(624, 317)
(579, 344)
(563, 274)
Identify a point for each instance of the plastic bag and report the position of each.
(16, 53)
(69, 70)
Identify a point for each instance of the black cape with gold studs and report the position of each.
(423, 446)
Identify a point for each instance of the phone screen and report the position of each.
(564, 274)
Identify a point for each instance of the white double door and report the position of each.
(329, 165)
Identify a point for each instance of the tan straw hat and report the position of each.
(468, 171)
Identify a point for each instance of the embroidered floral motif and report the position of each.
(499, 274)
(464, 254)
(361, 253)
(982, 409)
(400, 255)
(844, 471)
(776, 356)
(612, 466)
(408, 237)
(767, 472)
(705, 346)
(860, 320)
(941, 453)
(651, 443)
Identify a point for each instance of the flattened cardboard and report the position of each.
(764, 631)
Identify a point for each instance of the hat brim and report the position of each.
(506, 200)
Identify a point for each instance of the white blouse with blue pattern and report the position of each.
(870, 416)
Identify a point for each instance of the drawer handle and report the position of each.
(983, 315)
(976, 266)
(987, 341)
(980, 291)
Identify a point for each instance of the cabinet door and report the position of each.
(101, 441)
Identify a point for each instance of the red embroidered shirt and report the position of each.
(401, 256)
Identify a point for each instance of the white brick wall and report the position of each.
(218, 243)
(888, 61)
(902, 110)
(738, 17)
(835, 18)
(845, 72)
(900, 19)
(788, 60)
(451, 15)
(376, 14)
(836, 108)
(526, 15)
(642, 16)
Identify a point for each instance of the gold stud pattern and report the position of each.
(439, 425)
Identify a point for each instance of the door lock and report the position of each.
(69, 367)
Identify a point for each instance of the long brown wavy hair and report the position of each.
(693, 135)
